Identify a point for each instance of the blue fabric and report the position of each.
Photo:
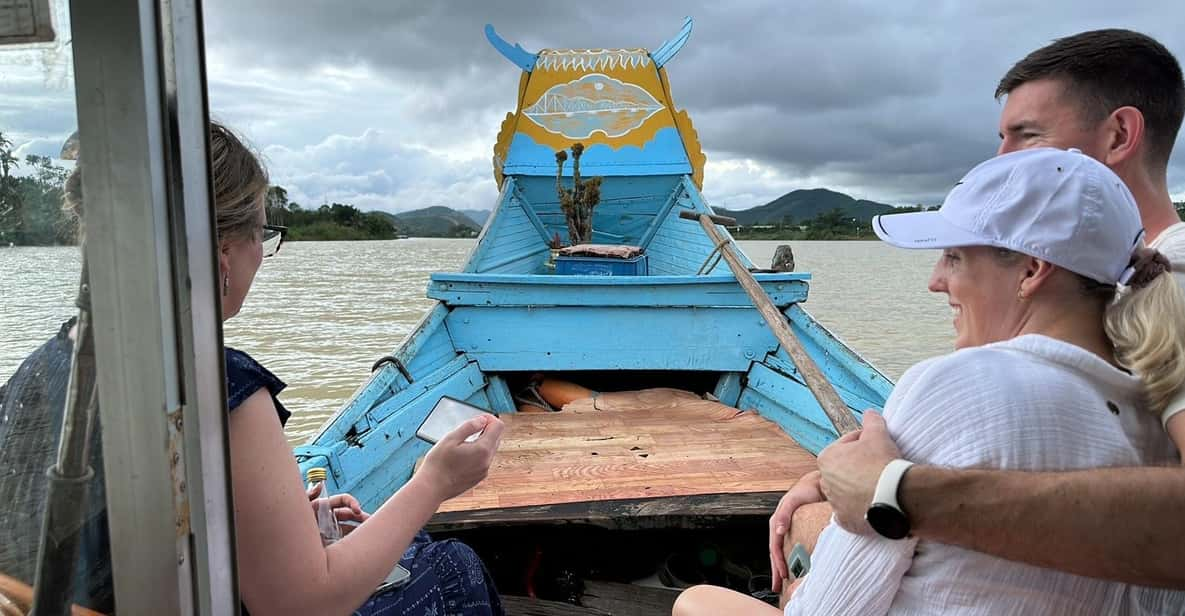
(245, 376)
(32, 406)
(447, 579)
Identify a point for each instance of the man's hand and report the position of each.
(805, 492)
(850, 468)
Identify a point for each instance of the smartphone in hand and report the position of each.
(445, 417)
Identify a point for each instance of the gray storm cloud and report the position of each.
(396, 105)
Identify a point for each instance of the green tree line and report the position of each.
(836, 225)
(331, 221)
(31, 211)
(832, 225)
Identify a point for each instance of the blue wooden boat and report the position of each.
(508, 317)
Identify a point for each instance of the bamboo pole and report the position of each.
(840, 415)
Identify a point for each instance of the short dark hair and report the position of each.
(1104, 70)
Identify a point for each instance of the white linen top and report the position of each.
(1030, 403)
(1171, 243)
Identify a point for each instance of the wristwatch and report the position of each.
(884, 515)
(798, 562)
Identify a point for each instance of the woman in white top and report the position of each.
(1049, 373)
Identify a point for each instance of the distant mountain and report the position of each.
(803, 205)
(435, 221)
(477, 216)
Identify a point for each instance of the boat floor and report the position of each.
(629, 447)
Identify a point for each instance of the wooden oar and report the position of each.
(840, 415)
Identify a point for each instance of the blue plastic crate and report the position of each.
(601, 266)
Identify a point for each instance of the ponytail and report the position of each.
(1147, 326)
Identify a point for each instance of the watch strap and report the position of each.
(798, 562)
(890, 480)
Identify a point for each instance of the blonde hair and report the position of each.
(239, 180)
(1147, 327)
(240, 183)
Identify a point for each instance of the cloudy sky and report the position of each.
(395, 104)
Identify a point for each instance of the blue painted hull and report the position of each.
(505, 314)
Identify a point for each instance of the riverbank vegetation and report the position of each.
(31, 213)
(833, 225)
(331, 221)
(31, 203)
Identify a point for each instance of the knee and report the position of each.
(693, 602)
(452, 546)
(808, 523)
(458, 568)
(453, 552)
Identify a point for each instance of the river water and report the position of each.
(320, 313)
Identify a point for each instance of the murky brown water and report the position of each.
(320, 313)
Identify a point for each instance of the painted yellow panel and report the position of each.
(608, 97)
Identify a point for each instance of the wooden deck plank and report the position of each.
(586, 454)
(697, 511)
(525, 606)
(628, 599)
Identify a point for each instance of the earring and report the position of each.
(225, 285)
(1021, 296)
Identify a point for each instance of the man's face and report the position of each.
(1039, 114)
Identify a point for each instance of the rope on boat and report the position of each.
(717, 254)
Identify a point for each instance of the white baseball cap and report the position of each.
(1060, 206)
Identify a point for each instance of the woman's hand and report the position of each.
(346, 508)
(805, 492)
(453, 466)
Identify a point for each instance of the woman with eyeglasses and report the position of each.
(283, 565)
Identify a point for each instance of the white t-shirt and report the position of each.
(1030, 403)
(1171, 243)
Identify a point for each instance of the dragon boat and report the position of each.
(689, 419)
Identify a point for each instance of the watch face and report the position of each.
(887, 521)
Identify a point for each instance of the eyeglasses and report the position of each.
(273, 237)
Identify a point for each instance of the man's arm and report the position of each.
(1123, 524)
